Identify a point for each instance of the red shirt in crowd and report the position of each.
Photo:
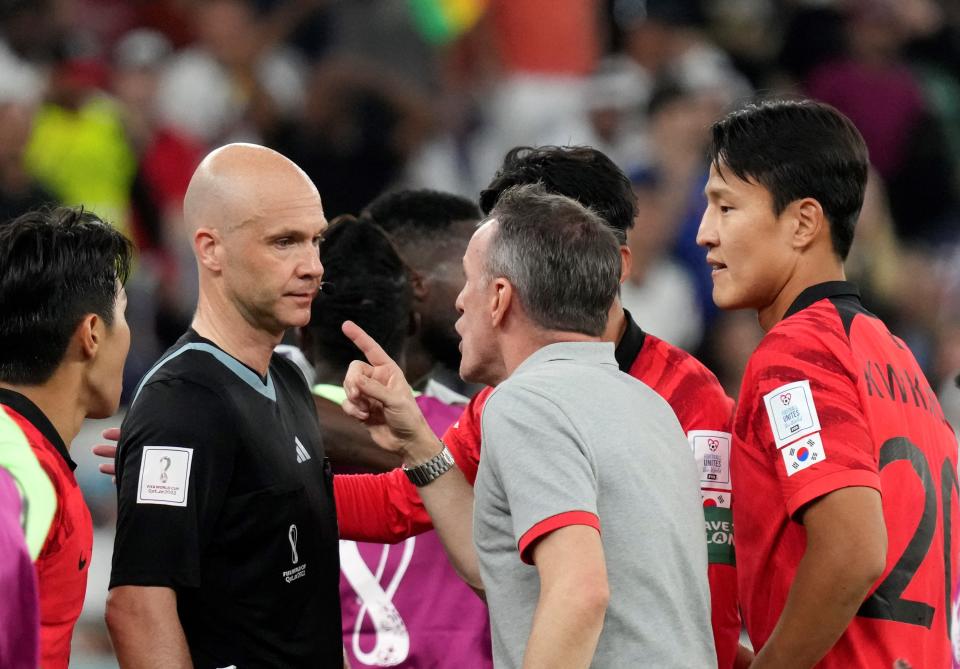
(527, 34)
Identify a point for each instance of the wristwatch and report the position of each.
(430, 470)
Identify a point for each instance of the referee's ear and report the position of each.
(205, 244)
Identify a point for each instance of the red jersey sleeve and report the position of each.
(386, 508)
(706, 417)
(463, 437)
(705, 414)
(380, 508)
(805, 414)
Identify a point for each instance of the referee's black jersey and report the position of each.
(226, 497)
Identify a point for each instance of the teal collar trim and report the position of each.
(246, 374)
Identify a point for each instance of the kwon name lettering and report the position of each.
(887, 382)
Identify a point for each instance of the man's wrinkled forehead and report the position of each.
(301, 207)
(304, 210)
(479, 242)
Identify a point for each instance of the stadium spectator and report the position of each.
(358, 129)
(76, 126)
(872, 84)
(19, 192)
(239, 77)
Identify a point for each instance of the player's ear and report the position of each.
(88, 335)
(626, 262)
(809, 222)
(419, 285)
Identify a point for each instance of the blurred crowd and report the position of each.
(112, 103)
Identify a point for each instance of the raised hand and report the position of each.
(379, 396)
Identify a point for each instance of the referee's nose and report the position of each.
(311, 267)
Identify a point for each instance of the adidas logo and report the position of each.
(302, 454)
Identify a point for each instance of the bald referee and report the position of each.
(226, 546)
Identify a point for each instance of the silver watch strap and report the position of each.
(430, 470)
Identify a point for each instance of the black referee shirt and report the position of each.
(226, 497)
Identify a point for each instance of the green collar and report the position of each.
(330, 392)
(336, 394)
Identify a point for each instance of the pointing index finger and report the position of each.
(371, 350)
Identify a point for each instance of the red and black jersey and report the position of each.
(705, 414)
(831, 399)
(64, 560)
(386, 507)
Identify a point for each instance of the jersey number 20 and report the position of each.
(886, 602)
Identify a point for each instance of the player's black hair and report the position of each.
(413, 216)
(365, 281)
(579, 172)
(797, 149)
(56, 266)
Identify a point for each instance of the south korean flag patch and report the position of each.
(802, 454)
(792, 412)
(715, 498)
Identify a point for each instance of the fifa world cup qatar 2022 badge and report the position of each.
(164, 475)
(298, 570)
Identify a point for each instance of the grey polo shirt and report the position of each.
(570, 439)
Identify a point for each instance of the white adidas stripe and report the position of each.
(302, 454)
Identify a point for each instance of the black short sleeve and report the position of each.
(174, 467)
